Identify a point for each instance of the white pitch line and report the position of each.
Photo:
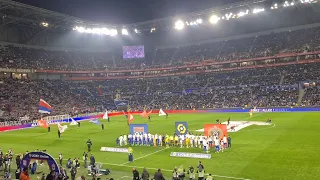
(146, 155)
(274, 125)
(124, 177)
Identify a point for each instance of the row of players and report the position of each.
(189, 140)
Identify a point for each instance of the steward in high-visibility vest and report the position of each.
(192, 173)
(175, 174)
(209, 177)
(181, 172)
(201, 174)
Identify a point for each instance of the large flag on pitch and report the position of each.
(219, 130)
(105, 116)
(162, 113)
(62, 128)
(95, 121)
(181, 128)
(130, 118)
(44, 107)
(73, 122)
(42, 123)
(144, 114)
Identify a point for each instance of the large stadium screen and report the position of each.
(133, 52)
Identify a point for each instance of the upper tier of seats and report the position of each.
(302, 40)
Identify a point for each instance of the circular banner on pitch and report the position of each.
(40, 156)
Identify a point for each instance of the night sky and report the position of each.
(124, 11)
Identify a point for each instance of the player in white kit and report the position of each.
(181, 140)
(121, 140)
(125, 140)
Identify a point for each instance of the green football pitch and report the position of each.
(288, 149)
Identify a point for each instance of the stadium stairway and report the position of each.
(281, 80)
(177, 51)
(89, 92)
(302, 92)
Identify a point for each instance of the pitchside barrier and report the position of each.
(222, 110)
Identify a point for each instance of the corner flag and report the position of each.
(162, 113)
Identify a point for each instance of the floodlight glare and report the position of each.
(113, 32)
(80, 29)
(179, 25)
(255, 11)
(214, 19)
(199, 21)
(136, 30)
(44, 24)
(124, 32)
(105, 31)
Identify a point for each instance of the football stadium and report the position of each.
(227, 92)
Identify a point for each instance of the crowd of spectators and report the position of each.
(237, 88)
(303, 40)
(264, 87)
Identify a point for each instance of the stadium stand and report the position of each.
(250, 71)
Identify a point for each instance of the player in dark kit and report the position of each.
(229, 121)
(149, 118)
(102, 126)
(89, 144)
(49, 128)
(59, 134)
(78, 124)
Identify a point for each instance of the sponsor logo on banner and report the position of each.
(219, 130)
(121, 102)
(111, 149)
(190, 155)
(181, 128)
(139, 128)
(32, 156)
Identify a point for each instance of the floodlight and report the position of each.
(44, 24)
(214, 19)
(124, 32)
(255, 11)
(113, 32)
(80, 29)
(105, 31)
(199, 21)
(136, 31)
(179, 25)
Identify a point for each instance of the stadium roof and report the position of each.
(19, 13)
